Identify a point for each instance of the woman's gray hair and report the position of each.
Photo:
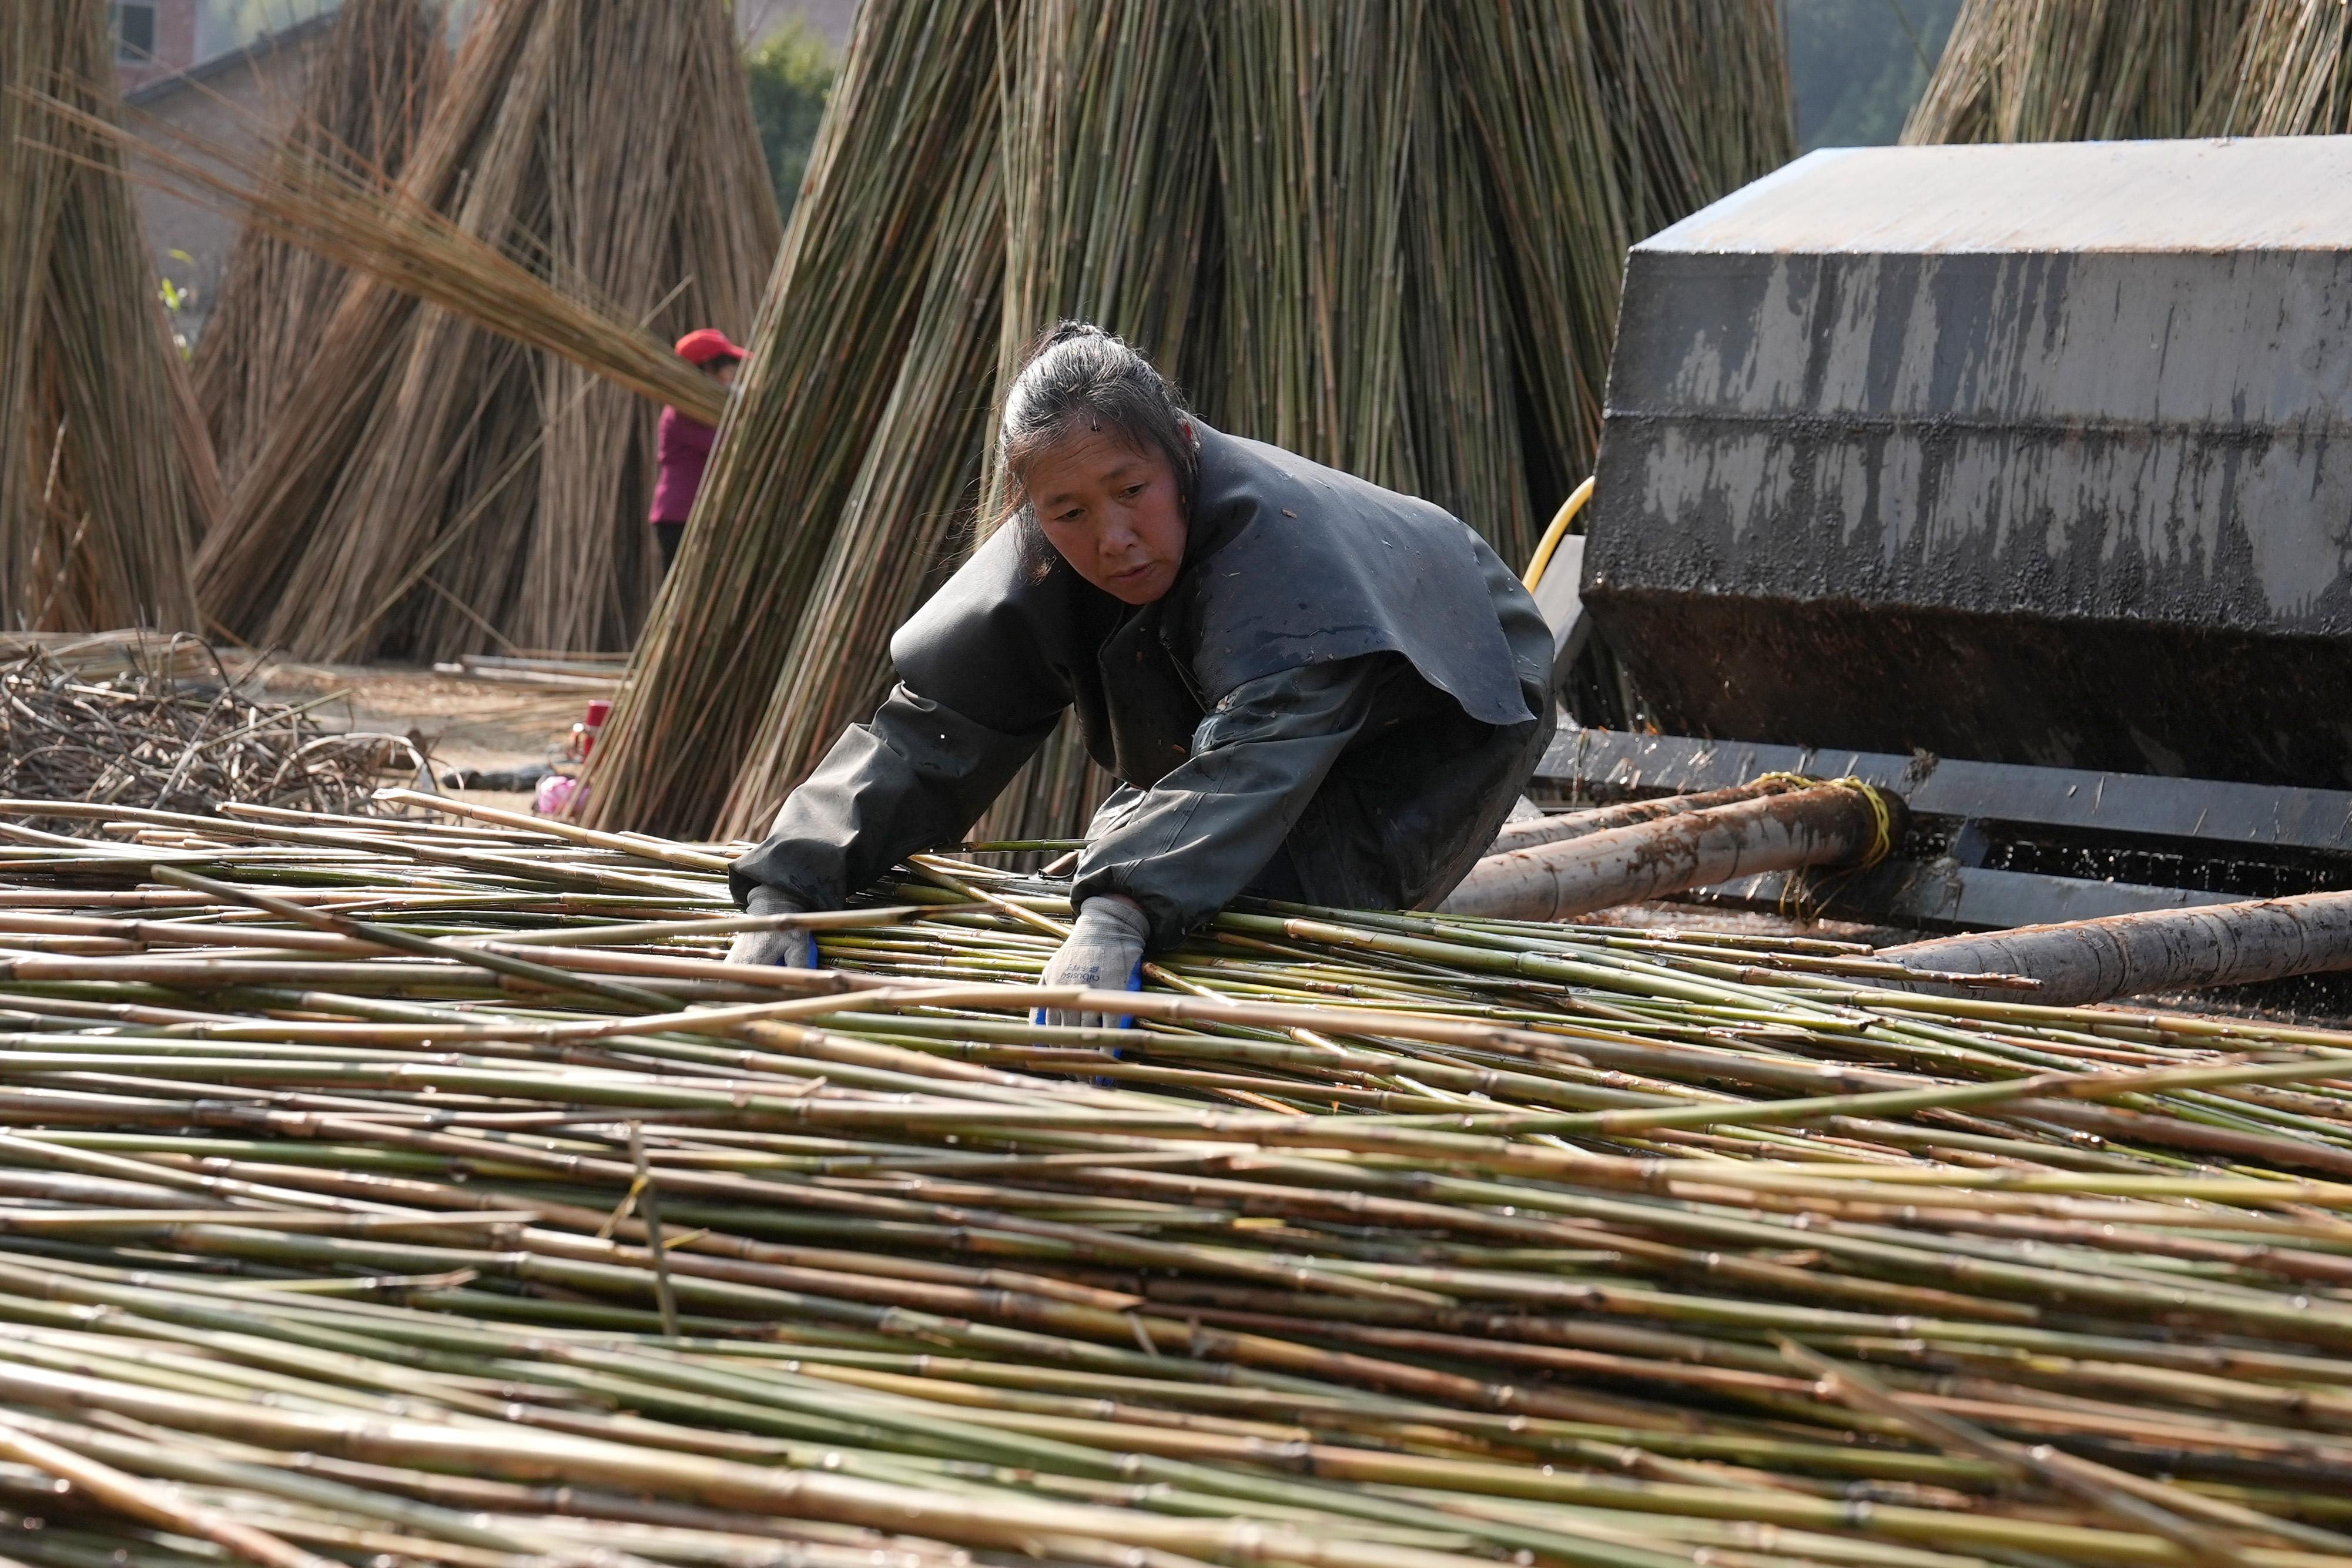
(1079, 377)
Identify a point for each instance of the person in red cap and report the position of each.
(685, 446)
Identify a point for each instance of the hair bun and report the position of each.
(1069, 329)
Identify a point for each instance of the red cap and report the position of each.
(704, 345)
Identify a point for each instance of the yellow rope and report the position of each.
(1786, 781)
(1555, 534)
(1805, 891)
(1882, 837)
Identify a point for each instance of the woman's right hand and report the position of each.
(1104, 951)
(789, 947)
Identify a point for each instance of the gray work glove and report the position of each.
(789, 946)
(1104, 951)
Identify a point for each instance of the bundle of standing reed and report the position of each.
(463, 483)
(913, 111)
(300, 468)
(2080, 70)
(2285, 70)
(106, 474)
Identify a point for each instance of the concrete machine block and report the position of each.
(2024, 454)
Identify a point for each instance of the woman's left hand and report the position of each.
(1104, 951)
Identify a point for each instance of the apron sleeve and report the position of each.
(917, 777)
(1183, 848)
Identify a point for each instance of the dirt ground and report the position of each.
(461, 723)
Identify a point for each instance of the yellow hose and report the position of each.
(1555, 534)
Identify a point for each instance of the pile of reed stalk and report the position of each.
(106, 474)
(911, 115)
(590, 179)
(370, 89)
(1387, 237)
(2069, 70)
(433, 1189)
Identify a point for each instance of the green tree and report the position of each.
(791, 77)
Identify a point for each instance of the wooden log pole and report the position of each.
(1841, 824)
(1561, 826)
(2082, 962)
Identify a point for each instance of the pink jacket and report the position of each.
(685, 448)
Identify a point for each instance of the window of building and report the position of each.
(133, 22)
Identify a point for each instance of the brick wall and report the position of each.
(175, 25)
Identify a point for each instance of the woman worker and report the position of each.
(683, 449)
(1312, 688)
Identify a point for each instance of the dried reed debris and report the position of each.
(168, 727)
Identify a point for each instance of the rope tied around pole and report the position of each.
(1807, 892)
(1883, 834)
(1882, 840)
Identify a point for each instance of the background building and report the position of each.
(232, 73)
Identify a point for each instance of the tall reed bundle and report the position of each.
(2060, 70)
(370, 90)
(1341, 229)
(2287, 71)
(667, 192)
(452, 447)
(510, 486)
(446, 524)
(430, 1190)
(908, 509)
(106, 479)
(1672, 64)
(911, 113)
(1464, 447)
(1109, 215)
(2073, 71)
(30, 55)
(1314, 116)
(911, 502)
(1529, 79)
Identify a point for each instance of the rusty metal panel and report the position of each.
(2022, 454)
(2110, 804)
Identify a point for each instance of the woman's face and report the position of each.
(724, 370)
(1113, 512)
